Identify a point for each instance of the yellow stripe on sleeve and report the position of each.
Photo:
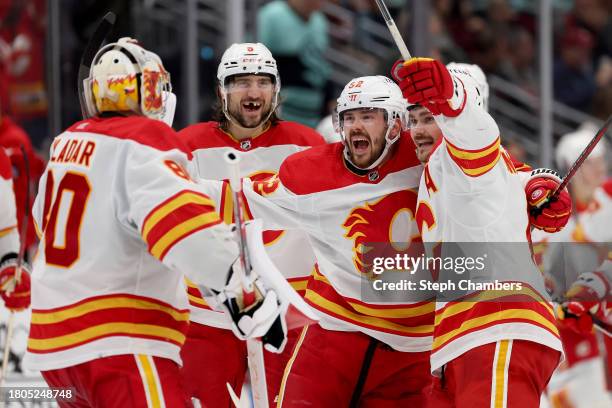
(181, 200)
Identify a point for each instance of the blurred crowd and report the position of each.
(501, 37)
(498, 35)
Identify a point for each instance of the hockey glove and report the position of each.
(426, 82)
(549, 215)
(16, 295)
(256, 314)
(587, 298)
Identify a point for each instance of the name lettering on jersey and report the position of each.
(425, 217)
(73, 151)
(429, 183)
(388, 220)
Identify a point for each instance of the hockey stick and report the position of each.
(257, 372)
(536, 211)
(583, 156)
(20, 257)
(602, 326)
(92, 47)
(397, 37)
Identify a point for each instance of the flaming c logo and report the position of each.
(388, 220)
(265, 183)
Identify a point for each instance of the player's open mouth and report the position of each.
(360, 144)
(424, 143)
(251, 106)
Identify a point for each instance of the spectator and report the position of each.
(574, 78)
(518, 66)
(23, 31)
(295, 31)
(593, 17)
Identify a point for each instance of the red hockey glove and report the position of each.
(19, 297)
(545, 214)
(426, 82)
(586, 298)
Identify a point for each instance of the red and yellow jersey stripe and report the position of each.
(486, 309)
(7, 230)
(197, 301)
(195, 297)
(176, 218)
(409, 320)
(475, 163)
(94, 318)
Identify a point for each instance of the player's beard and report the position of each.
(250, 122)
(366, 158)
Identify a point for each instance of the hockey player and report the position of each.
(369, 349)
(246, 122)
(120, 222)
(15, 142)
(471, 192)
(576, 251)
(16, 295)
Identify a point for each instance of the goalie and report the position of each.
(120, 222)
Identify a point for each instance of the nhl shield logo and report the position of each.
(373, 175)
(245, 144)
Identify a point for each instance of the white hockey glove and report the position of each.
(261, 317)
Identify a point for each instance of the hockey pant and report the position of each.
(349, 369)
(505, 374)
(128, 380)
(213, 357)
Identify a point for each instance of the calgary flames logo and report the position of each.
(265, 183)
(389, 220)
(152, 90)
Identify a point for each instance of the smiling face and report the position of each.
(364, 130)
(424, 131)
(249, 99)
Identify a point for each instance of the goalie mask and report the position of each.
(124, 77)
(247, 59)
(371, 92)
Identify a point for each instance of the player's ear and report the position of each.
(396, 129)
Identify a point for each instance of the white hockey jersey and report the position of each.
(342, 211)
(470, 192)
(9, 235)
(595, 219)
(260, 157)
(120, 223)
(590, 228)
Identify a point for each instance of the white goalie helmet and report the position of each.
(126, 77)
(374, 92)
(247, 58)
